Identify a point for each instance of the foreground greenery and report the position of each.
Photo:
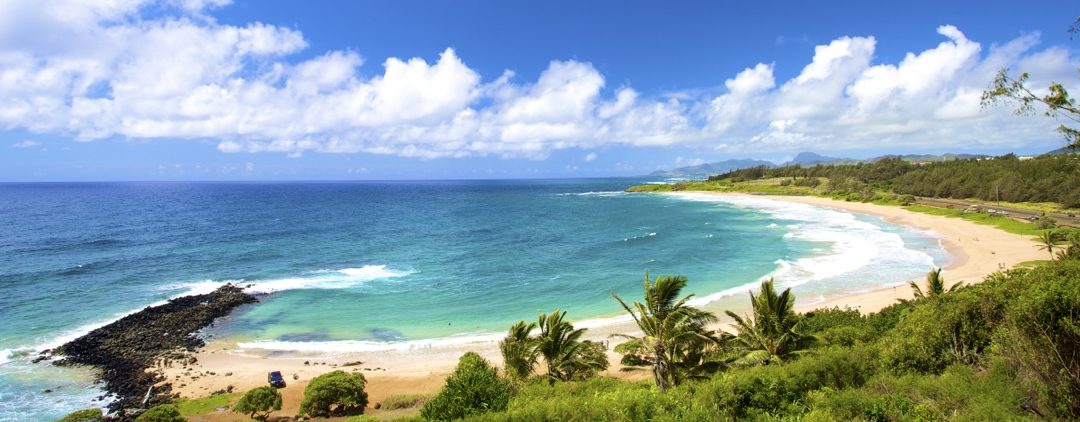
(1004, 349)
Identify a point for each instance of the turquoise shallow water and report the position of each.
(381, 262)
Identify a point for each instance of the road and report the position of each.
(1017, 213)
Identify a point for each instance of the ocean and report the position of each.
(383, 265)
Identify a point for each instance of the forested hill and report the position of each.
(1048, 178)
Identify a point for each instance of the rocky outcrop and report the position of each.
(124, 350)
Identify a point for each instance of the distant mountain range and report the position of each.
(704, 170)
(803, 159)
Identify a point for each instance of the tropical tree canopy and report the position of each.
(566, 356)
(519, 351)
(675, 341)
(259, 402)
(334, 393)
(935, 285)
(773, 334)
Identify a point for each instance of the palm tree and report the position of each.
(773, 334)
(519, 351)
(1048, 242)
(674, 333)
(560, 345)
(935, 285)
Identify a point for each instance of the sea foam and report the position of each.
(321, 279)
(346, 346)
(848, 245)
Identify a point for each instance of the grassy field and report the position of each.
(1004, 223)
(205, 405)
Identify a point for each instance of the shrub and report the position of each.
(474, 387)
(161, 413)
(746, 393)
(810, 182)
(907, 199)
(335, 393)
(85, 415)
(952, 328)
(1040, 337)
(403, 401)
(259, 402)
(959, 393)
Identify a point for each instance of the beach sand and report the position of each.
(976, 251)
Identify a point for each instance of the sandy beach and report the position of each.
(976, 251)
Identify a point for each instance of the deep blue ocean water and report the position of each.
(377, 262)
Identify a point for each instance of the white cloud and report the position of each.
(590, 157)
(26, 144)
(98, 70)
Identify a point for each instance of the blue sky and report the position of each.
(275, 90)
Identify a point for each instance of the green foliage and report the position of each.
(520, 352)
(840, 327)
(675, 343)
(739, 394)
(259, 402)
(959, 393)
(334, 393)
(362, 418)
(403, 401)
(935, 285)
(1056, 101)
(474, 387)
(161, 413)
(85, 415)
(1040, 337)
(953, 328)
(566, 356)
(774, 333)
(204, 405)
(1004, 349)
(1049, 179)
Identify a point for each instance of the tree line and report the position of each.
(1050, 178)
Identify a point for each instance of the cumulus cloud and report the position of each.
(100, 70)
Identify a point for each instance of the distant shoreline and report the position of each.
(975, 250)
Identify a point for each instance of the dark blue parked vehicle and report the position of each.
(275, 379)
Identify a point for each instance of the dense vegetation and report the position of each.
(1052, 178)
(1004, 349)
(333, 394)
(474, 387)
(259, 402)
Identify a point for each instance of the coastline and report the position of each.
(975, 251)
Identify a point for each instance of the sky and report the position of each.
(374, 90)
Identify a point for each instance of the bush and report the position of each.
(955, 327)
(474, 387)
(751, 392)
(1040, 337)
(335, 393)
(161, 413)
(403, 401)
(907, 199)
(259, 402)
(85, 415)
(959, 393)
(810, 182)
